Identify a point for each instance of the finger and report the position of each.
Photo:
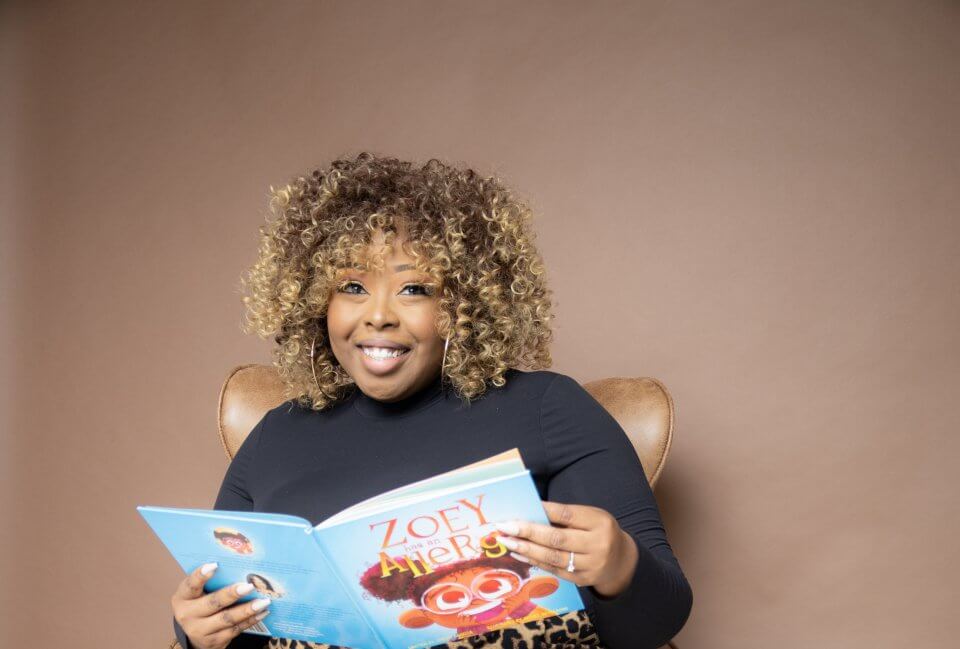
(576, 577)
(191, 587)
(548, 536)
(583, 517)
(215, 602)
(246, 618)
(556, 557)
(233, 615)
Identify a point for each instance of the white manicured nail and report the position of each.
(208, 568)
(508, 527)
(243, 589)
(260, 603)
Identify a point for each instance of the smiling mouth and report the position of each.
(381, 361)
(382, 353)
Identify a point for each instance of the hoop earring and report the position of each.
(313, 367)
(444, 361)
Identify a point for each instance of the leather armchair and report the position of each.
(642, 407)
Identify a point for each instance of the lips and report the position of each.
(381, 366)
(381, 342)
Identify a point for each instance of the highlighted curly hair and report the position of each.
(469, 233)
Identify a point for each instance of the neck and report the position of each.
(412, 403)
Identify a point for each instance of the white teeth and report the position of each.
(382, 352)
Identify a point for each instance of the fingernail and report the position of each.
(208, 568)
(508, 527)
(260, 603)
(262, 615)
(243, 589)
(519, 557)
(510, 543)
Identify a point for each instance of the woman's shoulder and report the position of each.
(539, 378)
(540, 384)
(542, 379)
(561, 394)
(291, 408)
(286, 415)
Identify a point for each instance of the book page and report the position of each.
(279, 555)
(434, 571)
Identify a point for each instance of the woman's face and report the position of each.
(372, 313)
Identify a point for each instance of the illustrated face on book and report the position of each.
(471, 596)
(233, 540)
(478, 597)
(397, 303)
(263, 586)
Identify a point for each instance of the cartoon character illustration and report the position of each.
(233, 540)
(472, 596)
(264, 587)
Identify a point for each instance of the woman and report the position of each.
(402, 299)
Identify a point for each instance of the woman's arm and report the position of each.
(234, 496)
(592, 462)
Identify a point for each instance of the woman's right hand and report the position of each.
(211, 620)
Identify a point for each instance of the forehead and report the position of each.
(394, 260)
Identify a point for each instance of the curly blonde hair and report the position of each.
(470, 234)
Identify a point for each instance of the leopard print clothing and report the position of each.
(568, 631)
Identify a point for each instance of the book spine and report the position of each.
(357, 605)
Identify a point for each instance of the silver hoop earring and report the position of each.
(313, 368)
(444, 361)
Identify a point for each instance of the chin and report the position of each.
(383, 389)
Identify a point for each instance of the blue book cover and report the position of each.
(414, 567)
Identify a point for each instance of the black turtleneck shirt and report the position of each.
(315, 464)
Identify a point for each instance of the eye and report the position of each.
(419, 289)
(342, 288)
(451, 601)
(494, 588)
(494, 584)
(426, 289)
(446, 597)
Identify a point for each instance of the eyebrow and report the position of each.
(396, 269)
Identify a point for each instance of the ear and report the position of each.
(540, 587)
(414, 618)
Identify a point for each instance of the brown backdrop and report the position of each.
(754, 202)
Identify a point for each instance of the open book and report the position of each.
(414, 567)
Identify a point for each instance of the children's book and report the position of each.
(416, 566)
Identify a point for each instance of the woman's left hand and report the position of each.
(604, 554)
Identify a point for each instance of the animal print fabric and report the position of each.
(567, 631)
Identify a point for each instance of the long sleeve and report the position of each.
(592, 462)
(234, 496)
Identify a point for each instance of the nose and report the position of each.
(380, 311)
